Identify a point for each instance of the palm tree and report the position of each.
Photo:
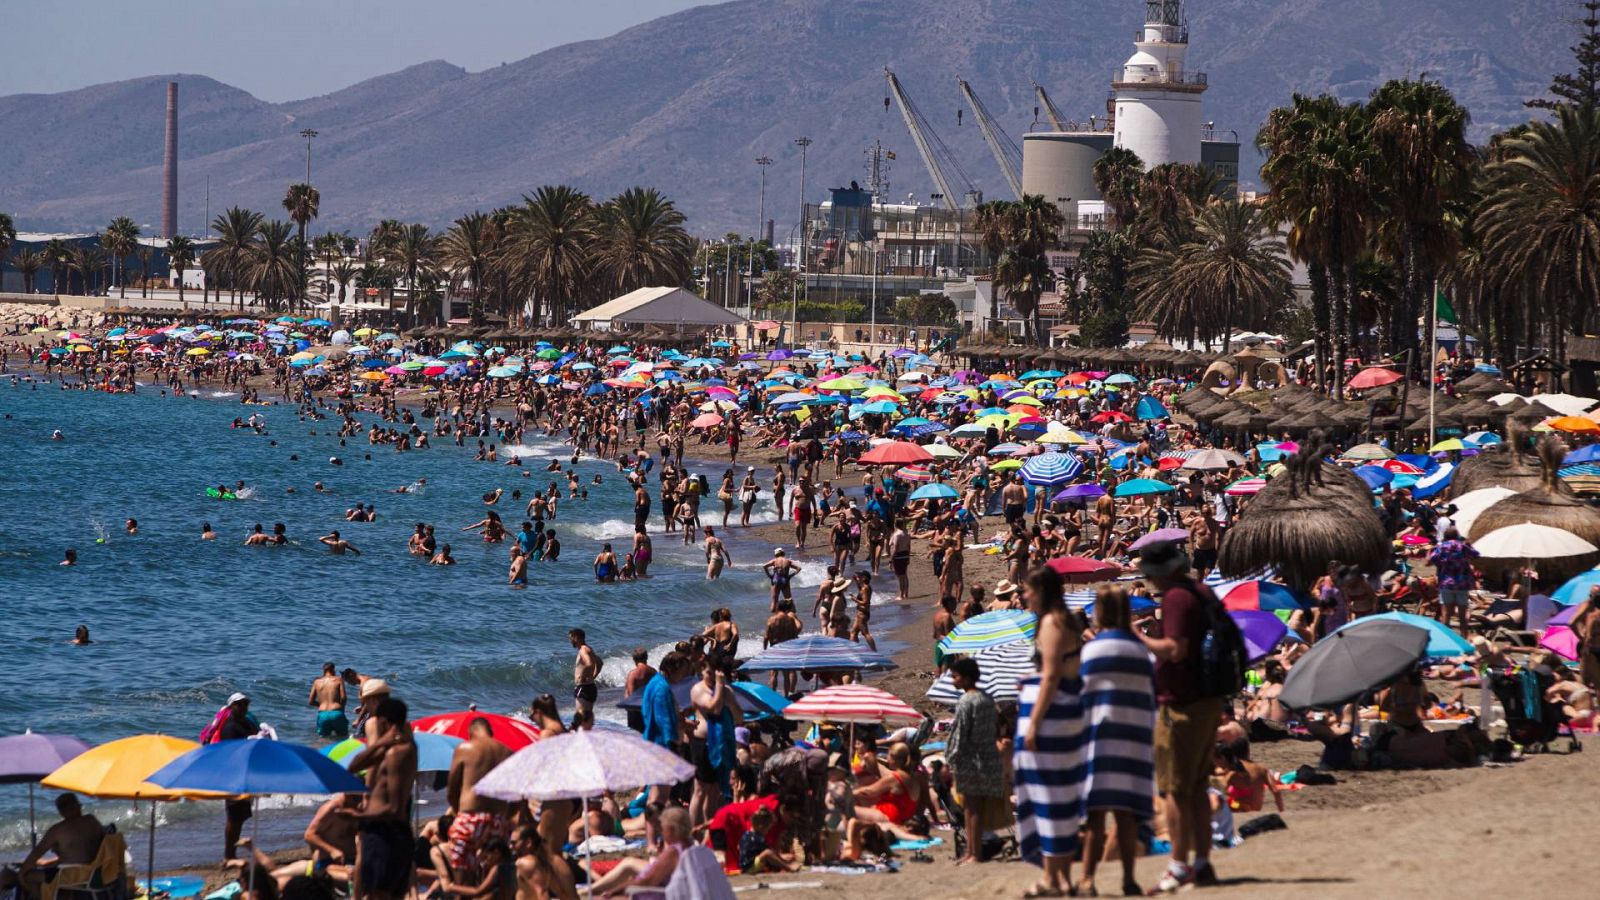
(271, 271)
(642, 243)
(56, 253)
(90, 262)
(343, 271)
(1116, 177)
(1170, 196)
(990, 220)
(1233, 273)
(464, 250)
(301, 202)
(144, 269)
(549, 248)
(8, 235)
(121, 240)
(28, 263)
(416, 252)
(180, 255)
(1540, 219)
(236, 230)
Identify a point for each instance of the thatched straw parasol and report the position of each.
(1499, 465)
(1311, 514)
(1482, 384)
(1550, 502)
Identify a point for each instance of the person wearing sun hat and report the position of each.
(1005, 595)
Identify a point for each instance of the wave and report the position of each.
(219, 395)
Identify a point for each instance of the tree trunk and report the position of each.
(1340, 295)
(1321, 317)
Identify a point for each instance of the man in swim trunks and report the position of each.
(780, 571)
(900, 559)
(328, 696)
(338, 545)
(585, 669)
(1014, 502)
(478, 818)
(384, 831)
(517, 577)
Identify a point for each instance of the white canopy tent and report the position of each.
(670, 307)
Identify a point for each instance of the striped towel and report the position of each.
(1049, 782)
(1119, 721)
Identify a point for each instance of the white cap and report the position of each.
(237, 697)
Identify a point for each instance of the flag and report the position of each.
(1443, 310)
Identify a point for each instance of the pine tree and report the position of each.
(1580, 88)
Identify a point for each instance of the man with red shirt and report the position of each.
(1186, 725)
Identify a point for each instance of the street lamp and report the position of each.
(308, 134)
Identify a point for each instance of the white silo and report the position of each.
(1157, 100)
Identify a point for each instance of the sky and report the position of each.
(288, 49)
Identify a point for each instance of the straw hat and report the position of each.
(1005, 588)
(374, 687)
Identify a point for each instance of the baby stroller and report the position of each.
(1531, 720)
(1000, 846)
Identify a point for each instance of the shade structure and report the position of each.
(434, 751)
(1562, 641)
(1471, 504)
(1245, 487)
(1138, 487)
(121, 769)
(257, 767)
(1576, 589)
(852, 704)
(895, 453)
(1261, 631)
(1051, 469)
(818, 653)
(1080, 492)
(1343, 665)
(999, 669)
(1443, 642)
(28, 757)
(1159, 536)
(1082, 569)
(934, 492)
(514, 733)
(990, 629)
(580, 764)
(1532, 541)
(1265, 595)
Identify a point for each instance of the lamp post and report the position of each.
(308, 134)
(305, 256)
(800, 264)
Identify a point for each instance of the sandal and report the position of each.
(1040, 890)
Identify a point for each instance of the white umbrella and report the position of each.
(1471, 505)
(1531, 541)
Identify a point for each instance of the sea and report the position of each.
(179, 623)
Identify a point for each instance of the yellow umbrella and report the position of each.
(1006, 465)
(843, 384)
(196, 351)
(1025, 401)
(1061, 434)
(996, 421)
(880, 392)
(82, 348)
(363, 332)
(374, 376)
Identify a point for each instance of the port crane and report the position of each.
(1056, 121)
(929, 145)
(1005, 150)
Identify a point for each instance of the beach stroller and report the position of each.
(1003, 846)
(1531, 721)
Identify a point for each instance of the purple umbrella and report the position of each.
(780, 354)
(1262, 631)
(1562, 618)
(28, 757)
(1081, 492)
(1160, 536)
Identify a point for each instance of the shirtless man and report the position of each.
(338, 545)
(1105, 523)
(257, 538)
(75, 840)
(717, 555)
(1014, 502)
(328, 697)
(384, 831)
(585, 669)
(478, 819)
(900, 560)
(517, 576)
(782, 625)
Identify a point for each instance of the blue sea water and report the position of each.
(180, 623)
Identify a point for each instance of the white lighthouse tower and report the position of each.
(1157, 112)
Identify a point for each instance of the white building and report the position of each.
(1157, 99)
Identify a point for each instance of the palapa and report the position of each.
(1550, 502)
(1498, 465)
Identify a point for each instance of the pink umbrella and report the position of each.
(706, 420)
(1560, 640)
(853, 704)
(395, 370)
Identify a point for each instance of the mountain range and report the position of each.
(686, 102)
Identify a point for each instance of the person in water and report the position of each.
(518, 574)
(206, 534)
(338, 544)
(70, 558)
(328, 697)
(81, 636)
(605, 565)
(132, 526)
(443, 557)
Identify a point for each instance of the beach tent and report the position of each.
(669, 306)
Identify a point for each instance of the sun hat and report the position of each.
(1005, 588)
(238, 697)
(374, 687)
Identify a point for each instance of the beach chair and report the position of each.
(698, 877)
(106, 878)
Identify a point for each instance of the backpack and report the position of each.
(212, 733)
(1223, 657)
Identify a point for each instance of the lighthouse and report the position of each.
(1157, 100)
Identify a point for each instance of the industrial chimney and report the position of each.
(169, 167)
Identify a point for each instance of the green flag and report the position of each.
(1443, 310)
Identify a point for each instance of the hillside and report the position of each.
(686, 102)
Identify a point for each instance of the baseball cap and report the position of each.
(237, 697)
(372, 687)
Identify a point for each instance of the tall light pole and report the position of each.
(800, 264)
(305, 254)
(761, 229)
(308, 134)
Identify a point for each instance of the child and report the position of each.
(756, 855)
(499, 875)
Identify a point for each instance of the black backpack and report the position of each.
(1222, 654)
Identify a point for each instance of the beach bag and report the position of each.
(213, 732)
(1223, 657)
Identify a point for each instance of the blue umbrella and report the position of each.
(1576, 589)
(1050, 469)
(1586, 454)
(318, 323)
(817, 653)
(1375, 476)
(934, 491)
(1137, 487)
(1443, 642)
(256, 767)
(1151, 408)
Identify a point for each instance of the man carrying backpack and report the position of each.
(1190, 711)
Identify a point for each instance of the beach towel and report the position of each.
(1119, 721)
(1049, 781)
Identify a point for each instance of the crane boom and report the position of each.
(928, 143)
(1050, 110)
(992, 135)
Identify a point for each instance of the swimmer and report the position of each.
(257, 538)
(320, 488)
(338, 544)
(132, 526)
(335, 461)
(206, 534)
(81, 636)
(493, 496)
(443, 557)
(71, 558)
(57, 435)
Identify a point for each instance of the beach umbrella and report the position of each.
(1213, 460)
(990, 629)
(1351, 661)
(434, 751)
(706, 420)
(1000, 668)
(1082, 569)
(817, 652)
(1530, 540)
(1443, 642)
(895, 453)
(1259, 594)
(1561, 640)
(1159, 536)
(1575, 590)
(853, 704)
(1150, 408)
(1079, 492)
(1245, 487)
(914, 474)
(514, 733)
(582, 764)
(1261, 631)
(934, 492)
(943, 451)
(1375, 376)
(1051, 469)
(1137, 487)
(1373, 476)
(256, 767)
(755, 700)
(26, 758)
(1472, 504)
(1367, 452)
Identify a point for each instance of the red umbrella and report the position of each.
(895, 453)
(1376, 376)
(1397, 466)
(1083, 569)
(1112, 415)
(1169, 463)
(853, 704)
(514, 733)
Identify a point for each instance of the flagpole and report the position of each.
(1433, 354)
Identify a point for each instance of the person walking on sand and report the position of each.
(900, 560)
(328, 697)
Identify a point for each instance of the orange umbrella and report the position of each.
(1574, 424)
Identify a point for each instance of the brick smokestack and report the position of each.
(169, 166)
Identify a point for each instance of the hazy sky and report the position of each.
(288, 49)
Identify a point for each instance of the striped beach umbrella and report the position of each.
(854, 704)
(817, 653)
(1245, 487)
(914, 474)
(990, 629)
(999, 669)
(1051, 469)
